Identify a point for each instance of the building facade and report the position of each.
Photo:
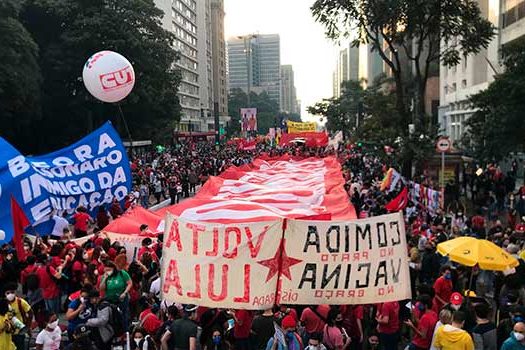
(198, 26)
(476, 72)
(357, 64)
(288, 90)
(218, 48)
(254, 64)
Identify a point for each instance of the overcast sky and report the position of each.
(303, 43)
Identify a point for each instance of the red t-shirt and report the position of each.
(350, 317)
(311, 322)
(151, 324)
(50, 289)
(26, 272)
(81, 221)
(426, 325)
(390, 309)
(443, 289)
(243, 331)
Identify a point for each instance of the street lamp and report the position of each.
(248, 50)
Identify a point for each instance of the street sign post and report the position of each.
(443, 145)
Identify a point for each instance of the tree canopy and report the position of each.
(267, 110)
(402, 31)
(497, 128)
(66, 33)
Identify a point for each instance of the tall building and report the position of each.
(349, 67)
(204, 56)
(218, 47)
(254, 64)
(198, 26)
(475, 72)
(288, 91)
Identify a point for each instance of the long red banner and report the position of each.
(267, 190)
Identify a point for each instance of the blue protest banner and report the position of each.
(89, 173)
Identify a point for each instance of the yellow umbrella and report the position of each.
(471, 251)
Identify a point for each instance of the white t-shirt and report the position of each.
(50, 340)
(60, 225)
(155, 287)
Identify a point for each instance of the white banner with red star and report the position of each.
(352, 262)
(221, 265)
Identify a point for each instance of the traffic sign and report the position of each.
(443, 145)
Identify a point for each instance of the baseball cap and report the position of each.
(190, 308)
(456, 299)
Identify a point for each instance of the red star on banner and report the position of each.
(274, 266)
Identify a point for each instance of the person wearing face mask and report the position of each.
(292, 339)
(314, 342)
(50, 337)
(116, 285)
(442, 288)
(334, 334)
(215, 342)
(182, 334)
(79, 310)
(424, 327)
(387, 317)
(22, 310)
(516, 340)
(516, 313)
(140, 340)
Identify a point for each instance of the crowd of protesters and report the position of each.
(88, 296)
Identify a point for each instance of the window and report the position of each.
(464, 83)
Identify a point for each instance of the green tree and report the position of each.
(19, 74)
(409, 31)
(345, 112)
(68, 32)
(497, 127)
(267, 110)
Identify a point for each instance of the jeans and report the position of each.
(53, 305)
(388, 341)
(124, 307)
(20, 341)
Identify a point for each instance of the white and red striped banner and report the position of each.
(268, 190)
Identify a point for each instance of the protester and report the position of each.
(484, 333)
(453, 337)
(141, 340)
(291, 337)
(6, 326)
(424, 326)
(263, 329)
(103, 331)
(387, 318)
(183, 331)
(334, 334)
(50, 337)
(116, 285)
(22, 311)
(516, 340)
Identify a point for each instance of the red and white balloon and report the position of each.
(108, 76)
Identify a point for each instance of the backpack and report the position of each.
(116, 321)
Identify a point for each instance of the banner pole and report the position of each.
(127, 128)
(281, 244)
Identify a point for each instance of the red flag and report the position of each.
(398, 203)
(20, 222)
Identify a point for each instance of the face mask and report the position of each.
(421, 307)
(455, 307)
(339, 323)
(289, 335)
(10, 296)
(137, 341)
(314, 347)
(82, 300)
(519, 336)
(217, 339)
(52, 325)
(448, 276)
(85, 256)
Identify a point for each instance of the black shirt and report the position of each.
(264, 329)
(181, 331)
